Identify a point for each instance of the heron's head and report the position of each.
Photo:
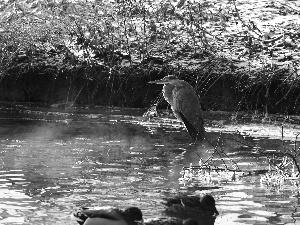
(166, 80)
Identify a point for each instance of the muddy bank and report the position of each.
(218, 90)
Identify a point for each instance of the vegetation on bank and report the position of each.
(239, 55)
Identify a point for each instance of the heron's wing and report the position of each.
(187, 108)
(193, 132)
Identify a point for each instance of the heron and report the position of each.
(184, 103)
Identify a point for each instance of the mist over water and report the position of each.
(54, 161)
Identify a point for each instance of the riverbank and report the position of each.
(238, 56)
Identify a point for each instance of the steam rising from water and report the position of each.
(54, 162)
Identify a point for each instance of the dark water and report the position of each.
(54, 161)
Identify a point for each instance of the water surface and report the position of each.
(53, 161)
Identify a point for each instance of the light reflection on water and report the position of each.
(54, 162)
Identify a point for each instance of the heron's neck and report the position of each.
(168, 93)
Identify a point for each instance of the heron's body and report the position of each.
(185, 104)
